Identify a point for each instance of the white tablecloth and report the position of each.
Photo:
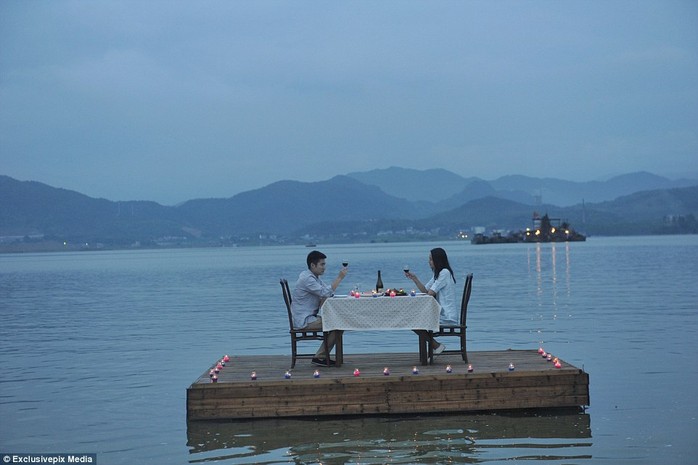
(381, 313)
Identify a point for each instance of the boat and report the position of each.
(544, 229)
(495, 238)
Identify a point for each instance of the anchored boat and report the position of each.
(544, 229)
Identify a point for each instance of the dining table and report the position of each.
(381, 313)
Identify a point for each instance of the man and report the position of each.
(307, 298)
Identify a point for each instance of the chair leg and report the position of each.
(293, 354)
(463, 352)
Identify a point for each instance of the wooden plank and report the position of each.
(270, 367)
(475, 405)
(413, 388)
(535, 383)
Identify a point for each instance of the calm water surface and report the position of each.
(97, 350)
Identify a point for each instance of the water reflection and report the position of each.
(561, 435)
(551, 297)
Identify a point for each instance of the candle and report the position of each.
(386, 371)
(511, 367)
(214, 379)
(550, 357)
(470, 368)
(211, 374)
(449, 369)
(357, 372)
(544, 355)
(226, 358)
(392, 293)
(316, 374)
(253, 375)
(219, 366)
(287, 375)
(540, 350)
(558, 364)
(415, 371)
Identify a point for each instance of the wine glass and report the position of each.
(345, 263)
(406, 268)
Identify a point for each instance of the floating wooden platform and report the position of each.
(534, 383)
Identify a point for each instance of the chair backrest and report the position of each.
(287, 300)
(466, 298)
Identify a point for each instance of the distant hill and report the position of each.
(666, 211)
(341, 209)
(432, 185)
(284, 206)
(449, 190)
(31, 208)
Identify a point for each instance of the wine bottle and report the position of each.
(379, 283)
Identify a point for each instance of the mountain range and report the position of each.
(380, 205)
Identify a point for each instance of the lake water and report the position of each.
(97, 350)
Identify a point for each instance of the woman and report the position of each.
(443, 287)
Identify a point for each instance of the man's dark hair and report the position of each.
(314, 257)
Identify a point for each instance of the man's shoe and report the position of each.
(322, 362)
(439, 349)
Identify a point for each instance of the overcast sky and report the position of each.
(174, 100)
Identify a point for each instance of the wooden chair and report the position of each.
(459, 329)
(300, 334)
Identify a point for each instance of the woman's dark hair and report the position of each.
(440, 259)
(314, 257)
